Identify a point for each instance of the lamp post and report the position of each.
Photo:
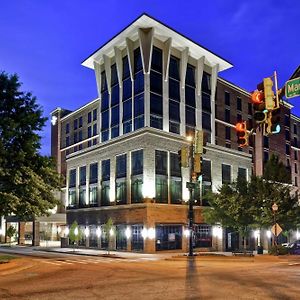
(275, 209)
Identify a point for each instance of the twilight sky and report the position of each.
(44, 42)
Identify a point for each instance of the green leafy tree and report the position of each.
(10, 233)
(108, 228)
(75, 234)
(275, 170)
(27, 179)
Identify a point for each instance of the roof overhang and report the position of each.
(161, 32)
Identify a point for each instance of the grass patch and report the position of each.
(6, 258)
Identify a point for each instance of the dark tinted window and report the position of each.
(104, 100)
(115, 94)
(174, 89)
(156, 83)
(137, 60)
(127, 88)
(121, 166)
(82, 175)
(115, 115)
(114, 75)
(206, 83)
(190, 75)
(174, 110)
(239, 104)
(190, 96)
(206, 104)
(206, 122)
(95, 114)
(242, 173)
(174, 68)
(127, 110)
(190, 117)
(103, 82)
(175, 169)
(139, 83)
(206, 165)
(226, 173)
(139, 105)
(72, 178)
(137, 162)
(227, 98)
(227, 133)
(126, 71)
(161, 162)
(227, 115)
(156, 106)
(105, 120)
(94, 173)
(105, 169)
(156, 63)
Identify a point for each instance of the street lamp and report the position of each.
(275, 209)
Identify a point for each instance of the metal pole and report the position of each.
(191, 212)
(275, 239)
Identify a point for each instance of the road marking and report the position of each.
(76, 261)
(52, 263)
(294, 264)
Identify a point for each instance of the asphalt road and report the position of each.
(57, 276)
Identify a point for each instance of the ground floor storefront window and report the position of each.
(168, 237)
(137, 240)
(202, 236)
(121, 239)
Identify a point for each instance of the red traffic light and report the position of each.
(240, 126)
(242, 135)
(257, 97)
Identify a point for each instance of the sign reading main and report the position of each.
(292, 88)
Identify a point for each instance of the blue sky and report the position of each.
(44, 42)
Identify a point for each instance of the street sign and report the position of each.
(191, 185)
(278, 229)
(292, 88)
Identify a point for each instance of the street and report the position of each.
(61, 276)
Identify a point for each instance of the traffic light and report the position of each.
(200, 142)
(272, 125)
(260, 113)
(183, 157)
(269, 94)
(242, 135)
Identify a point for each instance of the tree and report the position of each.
(27, 179)
(75, 234)
(10, 233)
(275, 170)
(108, 229)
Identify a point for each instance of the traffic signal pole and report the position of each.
(191, 200)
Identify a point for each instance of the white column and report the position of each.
(129, 48)
(97, 69)
(107, 66)
(119, 64)
(199, 76)
(214, 76)
(183, 66)
(146, 45)
(166, 58)
(87, 185)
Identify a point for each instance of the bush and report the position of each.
(281, 250)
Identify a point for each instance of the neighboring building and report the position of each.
(119, 152)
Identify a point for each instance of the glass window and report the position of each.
(227, 98)
(156, 105)
(296, 181)
(127, 110)
(121, 192)
(80, 122)
(287, 121)
(190, 117)
(156, 122)
(75, 124)
(249, 108)
(206, 83)
(156, 62)
(239, 117)
(115, 115)
(296, 168)
(139, 105)
(80, 136)
(95, 129)
(156, 83)
(104, 100)
(137, 162)
(105, 164)
(295, 142)
(295, 128)
(226, 173)
(174, 127)
(161, 189)
(266, 142)
(114, 132)
(105, 199)
(126, 71)
(227, 133)
(68, 128)
(176, 190)
(75, 137)
(95, 114)
(127, 88)
(82, 197)
(104, 135)
(67, 141)
(82, 175)
(90, 117)
(161, 162)
(105, 120)
(114, 75)
(206, 122)
(136, 190)
(239, 104)
(121, 166)
(242, 173)
(139, 122)
(94, 173)
(93, 196)
(174, 89)
(174, 110)
(138, 82)
(190, 75)
(296, 154)
(266, 156)
(127, 127)
(227, 115)
(287, 135)
(174, 68)
(72, 178)
(115, 95)
(190, 96)
(138, 65)
(206, 166)
(169, 237)
(206, 104)
(287, 149)
(72, 198)
(175, 169)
